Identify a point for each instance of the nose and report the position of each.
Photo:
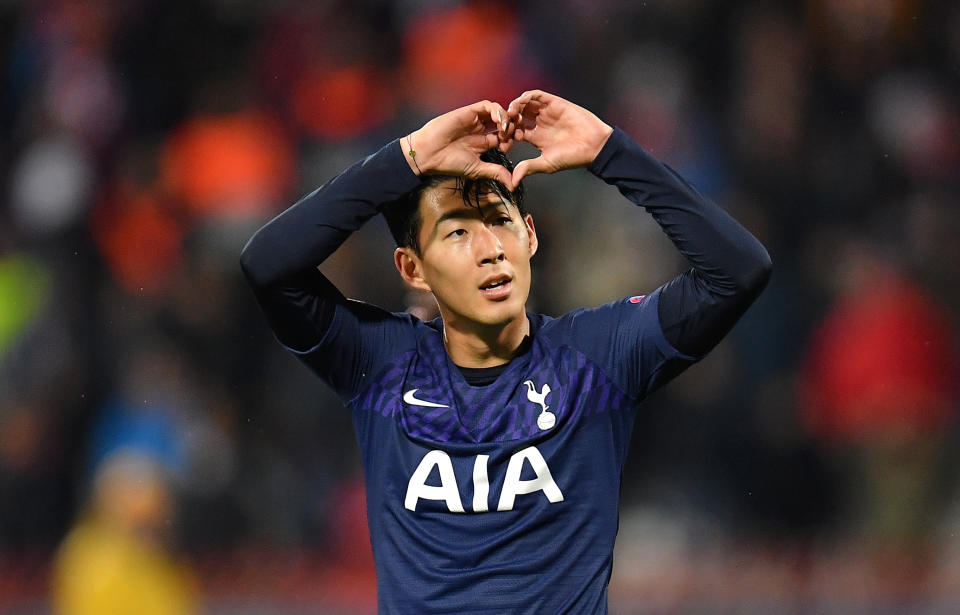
(488, 247)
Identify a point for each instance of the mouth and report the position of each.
(497, 287)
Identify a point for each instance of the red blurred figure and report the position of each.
(883, 360)
(879, 387)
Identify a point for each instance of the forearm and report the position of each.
(730, 266)
(308, 232)
(280, 261)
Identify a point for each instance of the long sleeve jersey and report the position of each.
(500, 498)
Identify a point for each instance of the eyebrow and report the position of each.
(470, 212)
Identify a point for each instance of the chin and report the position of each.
(502, 315)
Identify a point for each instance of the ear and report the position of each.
(411, 268)
(532, 232)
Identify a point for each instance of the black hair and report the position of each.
(403, 215)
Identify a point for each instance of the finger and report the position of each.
(508, 130)
(493, 131)
(476, 144)
(484, 108)
(489, 170)
(523, 134)
(479, 119)
(503, 120)
(492, 115)
(490, 140)
(529, 167)
(515, 108)
(528, 121)
(517, 104)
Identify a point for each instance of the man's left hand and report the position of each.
(568, 136)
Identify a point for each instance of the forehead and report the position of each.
(445, 201)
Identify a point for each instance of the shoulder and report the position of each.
(624, 338)
(362, 340)
(395, 333)
(370, 318)
(602, 320)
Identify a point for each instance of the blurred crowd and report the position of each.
(160, 454)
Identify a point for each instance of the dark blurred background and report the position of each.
(160, 454)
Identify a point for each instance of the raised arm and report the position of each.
(280, 261)
(730, 267)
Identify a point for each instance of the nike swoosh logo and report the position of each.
(409, 398)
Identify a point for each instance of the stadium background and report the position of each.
(157, 446)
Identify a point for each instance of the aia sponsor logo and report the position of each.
(636, 298)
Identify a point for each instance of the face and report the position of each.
(476, 262)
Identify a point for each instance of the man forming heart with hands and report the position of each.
(493, 438)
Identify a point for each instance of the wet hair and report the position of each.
(403, 215)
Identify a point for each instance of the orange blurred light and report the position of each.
(140, 241)
(234, 166)
(343, 102)
(467, 53)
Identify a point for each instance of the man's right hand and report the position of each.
(451, 144)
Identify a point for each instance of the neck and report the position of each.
(484, 346)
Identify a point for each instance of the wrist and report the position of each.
(604, 137)
(410, 153)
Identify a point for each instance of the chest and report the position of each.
(552, 428)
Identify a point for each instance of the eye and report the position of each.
(503, 220)
(457, 233)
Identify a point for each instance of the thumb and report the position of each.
(529, 167)
(490, 170)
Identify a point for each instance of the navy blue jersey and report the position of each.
(500, 498)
